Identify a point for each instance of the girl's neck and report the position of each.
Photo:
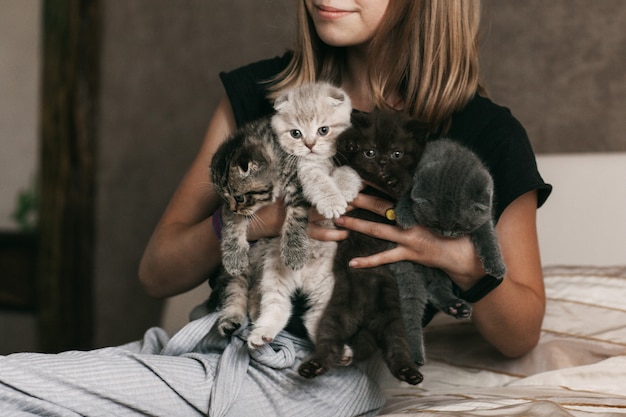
(355, 82)
(355, 79)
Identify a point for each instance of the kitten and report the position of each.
(307, 122)
(452, 195)
(364, 310)
(248, 172)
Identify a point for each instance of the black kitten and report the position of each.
(364, 311)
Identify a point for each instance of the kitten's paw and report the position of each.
(229, 325)
(311, 369)
(236, 264)
(331, 208)
(409, 374)
(257, 341)
(294, 258)
(459, 309)
(419, 359)
(346, 356)
(404, 219)
(495, 269)
(260, 336)
(348, 182)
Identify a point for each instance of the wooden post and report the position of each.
(71, 46)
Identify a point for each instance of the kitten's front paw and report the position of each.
(236, 264)
(348, 182)
(311, 369)
(404, 218)
(331, 208)
(495, 268)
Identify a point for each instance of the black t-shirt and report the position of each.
(488, 129)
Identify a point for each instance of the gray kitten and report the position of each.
(452, 195)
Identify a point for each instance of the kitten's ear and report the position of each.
(347, 141)
(360, 119)
(337, 97)
(418, 129)
(281, 101)
(479, 208)
(247, 167)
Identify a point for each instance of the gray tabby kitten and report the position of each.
(452, 195)
(248, 172)
(306, 123)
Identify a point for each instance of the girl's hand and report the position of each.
(319, 231)
(268, 222)
(456, 257)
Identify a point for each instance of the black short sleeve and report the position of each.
(503, 145)
(246, 88)
(486, 128)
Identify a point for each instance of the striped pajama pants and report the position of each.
(194, 373)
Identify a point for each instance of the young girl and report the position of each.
(420, 56)
(414, 55)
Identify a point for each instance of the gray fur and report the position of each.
(452, 195)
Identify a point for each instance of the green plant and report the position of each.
(26, 209)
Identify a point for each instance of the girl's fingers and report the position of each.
(372, 203)
(318, 232)
(375, 229)
(381, 258)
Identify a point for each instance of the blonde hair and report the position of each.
(425, 51)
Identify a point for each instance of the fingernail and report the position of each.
(339, 220)
(353, 264)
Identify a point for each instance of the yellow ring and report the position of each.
(390, 214)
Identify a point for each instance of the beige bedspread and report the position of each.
(578, 368)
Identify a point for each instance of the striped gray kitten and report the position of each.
(301, 137)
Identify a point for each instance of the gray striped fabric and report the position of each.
(194, 373)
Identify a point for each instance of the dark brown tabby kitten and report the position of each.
(364, 312)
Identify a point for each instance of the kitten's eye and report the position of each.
(295, 133)
(396, 154)
(239, 198)
(369, 153)
(323, 131)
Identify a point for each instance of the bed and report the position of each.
(579, 365)
(578, 368)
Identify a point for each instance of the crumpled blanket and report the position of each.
(196, 372)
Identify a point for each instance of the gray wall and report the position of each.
(560, 65)
(160, 83)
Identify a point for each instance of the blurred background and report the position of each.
(103, 105)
